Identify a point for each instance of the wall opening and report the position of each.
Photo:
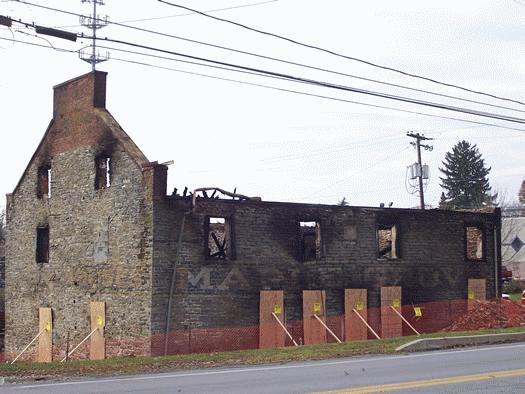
(103, 172)
(387, 240)
(219, 238)
(310, 240)
(44, 182)
(42, 244)
(474, 248)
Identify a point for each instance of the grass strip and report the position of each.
(133, 365)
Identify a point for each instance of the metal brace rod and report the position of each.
(366, 324)
(327, 329)
(284, 328)
(76, 347)
(30, 343)
(405, 320)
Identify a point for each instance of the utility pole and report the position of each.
(93, 22)
(420, 137)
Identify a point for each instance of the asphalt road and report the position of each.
(495, 369)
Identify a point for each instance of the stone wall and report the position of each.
(100, 240)
(431, 264)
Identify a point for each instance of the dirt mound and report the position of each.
(490, 314)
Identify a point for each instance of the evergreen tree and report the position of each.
(465, 178)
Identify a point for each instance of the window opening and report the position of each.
(103, 172)
(219, 238)
(42, 245)
(474, 243)
(44, 182)
(310, 233)
(387, 241)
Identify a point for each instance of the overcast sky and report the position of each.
(279, 145)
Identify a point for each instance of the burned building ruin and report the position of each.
(91, 220)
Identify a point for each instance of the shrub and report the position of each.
(514, 286)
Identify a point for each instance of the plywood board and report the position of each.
(97, 349)
(477, 290)
(45, 341)
(355, 329)
(271, 334)
(391, 323)
(314, 303)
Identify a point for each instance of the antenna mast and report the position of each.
(93, 22)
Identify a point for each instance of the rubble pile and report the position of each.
(490, 314)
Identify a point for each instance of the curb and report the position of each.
(451, 342)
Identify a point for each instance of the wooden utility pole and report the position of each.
(420, 137)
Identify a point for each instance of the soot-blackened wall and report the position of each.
(430, 265)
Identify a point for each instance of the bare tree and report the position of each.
(2, 225)
(510, 207)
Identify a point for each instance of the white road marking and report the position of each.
(262, 369)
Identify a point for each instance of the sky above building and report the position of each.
(285, 140)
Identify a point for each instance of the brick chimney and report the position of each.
(81, 93)
(156, 178)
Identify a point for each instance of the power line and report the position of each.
(306, 80)
(325, 84)
(323, 96)
(290, 90)
(323, 151)
(39, 45)
(192, 13)
(383, 159)
(343, 56)
(199, 64)
(120, 24)
(188, 62)
(372, 80)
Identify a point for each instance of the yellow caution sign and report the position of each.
(418, 312)
(396, 303)
(471, 295)
(100, 321)
(49, 327)
(317, 307)
(359, 306)
(277, 309)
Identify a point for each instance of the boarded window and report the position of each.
(42, 244)
(310, 240)
(44, 182)
(219, 239)
(474, 248)
(103, 172)
(387, 241)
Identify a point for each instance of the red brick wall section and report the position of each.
(76, 123)
(156, 177)
(81, 93)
